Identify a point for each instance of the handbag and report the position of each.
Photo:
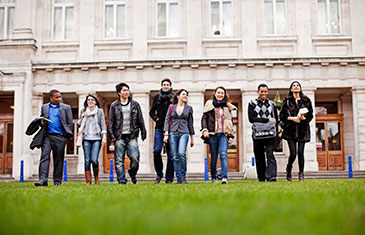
(79, 139)
(263, 130)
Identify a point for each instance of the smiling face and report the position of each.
(124, 92)
(219, 94)
(56, 98)
(263, 92)
(295, 88)
(165, 86)
(91, 102)
(183, 97)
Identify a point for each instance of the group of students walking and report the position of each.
(174, 128)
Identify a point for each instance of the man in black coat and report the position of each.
(158, 111)
(54, 138)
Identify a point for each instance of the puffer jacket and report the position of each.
(296, 131)
(115, 124)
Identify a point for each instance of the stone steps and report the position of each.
(231, 176)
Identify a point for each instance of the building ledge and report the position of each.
(19, 42)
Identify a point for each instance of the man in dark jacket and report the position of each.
(158, 111)
(55, 133)
(125, 122)
(263, 110)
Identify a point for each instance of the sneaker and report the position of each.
(224, 181)
(158, 179)
(183, 181)
(168, 182)
(214, 181)
(122, 183)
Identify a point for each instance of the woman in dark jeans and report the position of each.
(296, 113)
(217, 130)
(178, 126)
(92, 126)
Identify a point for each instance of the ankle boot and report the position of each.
(301, 176)
(88, 177)
(96, 175)
(288, 174)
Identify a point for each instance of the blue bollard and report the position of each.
(206, 178)
(253, 161)
(111, 178)
(21, 171)
(350, 168)
(65, 171)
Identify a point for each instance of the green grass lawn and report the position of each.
(241, 207)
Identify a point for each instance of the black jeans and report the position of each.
(265, 168)
(56, 144)
(293, 154)
(157, 159)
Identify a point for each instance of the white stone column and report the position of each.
(87, 30)
(37, 102)
(80, 163)
(140, 29)
(310, 151)
(358, 102)
(196, 154)
(145, 163)
(194, 29)
(23, 19)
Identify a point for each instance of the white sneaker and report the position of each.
(214, 181)
(224, 181)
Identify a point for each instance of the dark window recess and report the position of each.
(326, 108)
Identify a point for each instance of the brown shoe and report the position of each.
(288, 175)
(96, 175)
(301, 176)
(88, 177)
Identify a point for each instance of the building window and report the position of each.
(6, 18)
(114, 25)
(221, 18)
(63, 19)
(167, 19)
(328, 16)
(275, 16)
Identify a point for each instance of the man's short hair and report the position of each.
(119, 87)
(166, 80)
(53, 92)
(262, 85)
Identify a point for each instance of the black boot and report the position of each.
(288, 174)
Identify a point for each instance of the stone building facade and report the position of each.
(78, 46)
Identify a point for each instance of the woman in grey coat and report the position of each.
(92, 127)
(178, 126)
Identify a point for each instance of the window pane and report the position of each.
(334, 136)
(7, 1)
(109, 16)
(120, 21)
(280, 17)
(269, 18)
(10, 21)
(322, 17)
(161, 19)
(1, 137)
(227, 18)
(69, 22)
(57, 24)
(214, 14)
(2, 16)
(320, 137)
(174, 20)
(9, 138)
(335, 16)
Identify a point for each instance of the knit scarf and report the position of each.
(91, 118)
(165, 95)
(222, 103)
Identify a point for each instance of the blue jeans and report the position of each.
(157, 159)
(121, 147)
(178, 144)
(218, 143)
(91, 153)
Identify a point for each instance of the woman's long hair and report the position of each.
(96, 101)
(175, 99)
(300, 93)
(225, 93)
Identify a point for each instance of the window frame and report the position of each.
(6, 7)
(220, 18)
(114, 3)
(328, 18)
(167, 2)
(63, 27)
(274, 19)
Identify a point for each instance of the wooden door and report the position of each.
(108, 150)
(233, 149)
(330, 146)
(6, 146)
